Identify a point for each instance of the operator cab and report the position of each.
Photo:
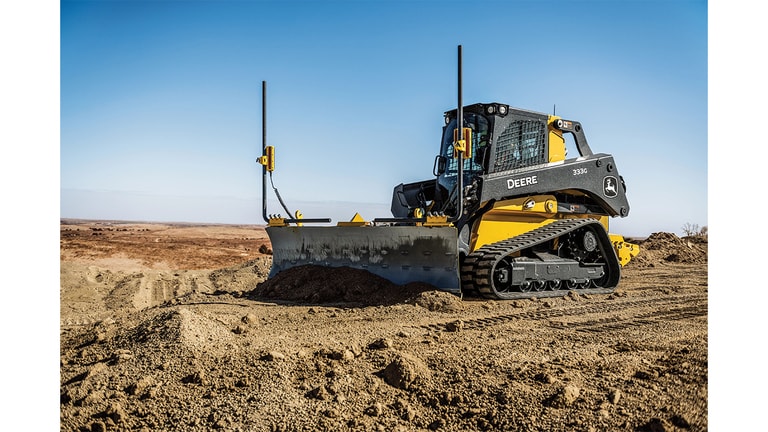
(522, 142)
(503, 139)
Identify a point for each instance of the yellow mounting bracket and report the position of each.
(464, 144)
(277, 222)
(268, 160)
(436, 221)
(356, 221)
(298, 215)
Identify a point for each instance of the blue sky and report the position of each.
(161, 101)
(151, 111)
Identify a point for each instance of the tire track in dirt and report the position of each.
(619, 323)
(671, 308)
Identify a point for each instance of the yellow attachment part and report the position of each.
(277, 222)
(268, 160)
(436, 221)
(624, 250)
(534, 204)
(464, 144)
(356, 220)
(298, 215)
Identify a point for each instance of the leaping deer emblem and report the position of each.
(610, 187)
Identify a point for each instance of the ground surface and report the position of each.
(173, 327)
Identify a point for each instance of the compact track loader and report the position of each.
(506, 215)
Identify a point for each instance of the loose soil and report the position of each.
(175, 327)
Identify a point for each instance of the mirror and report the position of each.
(440, 164)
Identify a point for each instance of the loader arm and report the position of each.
(575, 129)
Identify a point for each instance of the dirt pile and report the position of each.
(667, 248)
(354, 287)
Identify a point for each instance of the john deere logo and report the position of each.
(609, 187)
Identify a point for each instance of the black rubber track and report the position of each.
(478, 267)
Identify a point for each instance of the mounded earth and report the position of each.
(175, 327)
